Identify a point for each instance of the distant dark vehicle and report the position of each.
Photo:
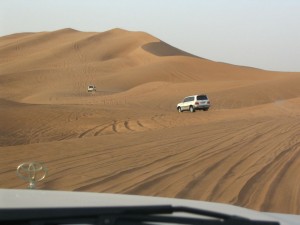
(194, 102)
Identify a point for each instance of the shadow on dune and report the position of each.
(163, 49)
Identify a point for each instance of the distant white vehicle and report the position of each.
(91, 88)
(194, 102)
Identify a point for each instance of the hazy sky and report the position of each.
(257, 33)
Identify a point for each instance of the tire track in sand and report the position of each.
(277, 166)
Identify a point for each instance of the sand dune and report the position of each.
(128, 137)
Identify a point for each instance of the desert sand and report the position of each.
(127, 137)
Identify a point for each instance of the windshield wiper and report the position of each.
(135, 215)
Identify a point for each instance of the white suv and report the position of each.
(194, 102)
(91, 88)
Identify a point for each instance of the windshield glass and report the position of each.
(201, 97)
(91, 100)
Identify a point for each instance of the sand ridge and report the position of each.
(128, 137)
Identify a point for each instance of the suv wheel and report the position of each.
(179, 109)
(192, 109)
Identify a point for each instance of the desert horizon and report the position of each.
(127, 137)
